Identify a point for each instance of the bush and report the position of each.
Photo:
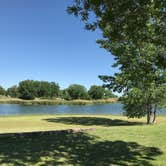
(13, 91)
(108, 94)
(76, 91)
(29, 89)
(96, 92)
(2, 91)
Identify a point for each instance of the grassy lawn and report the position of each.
(112, 140)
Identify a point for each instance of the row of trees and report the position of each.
(30, 89)
(95, 92)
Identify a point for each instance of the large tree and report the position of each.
(76, 91)
(29, 89)
(96, 92)
(134, 31)
(13, 91)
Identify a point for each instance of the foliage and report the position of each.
(108, 94)
(135, 104)
(96, 92)
(47, 89)
(13, 91)
(160, 96)
(29, 89)
(134, 32)
(2, 91)
(76, 91)
(65, 95)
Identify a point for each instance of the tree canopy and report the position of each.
(2, 91)
(76, 91)
(13, 91)
(96, 92)
(29, 89)
(134, 32)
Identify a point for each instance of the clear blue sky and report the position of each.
(40, 41)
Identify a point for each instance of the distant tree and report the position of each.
(54, 89)
(108, 94)
(96, 92)
(2, 91)
(13, 91)
(27, 90)
(76, 91)
(43, 89)
(47, 89)
(65, 95)
(99, 92)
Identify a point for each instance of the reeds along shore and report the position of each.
(55, 101)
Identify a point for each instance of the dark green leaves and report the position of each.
(134, 32)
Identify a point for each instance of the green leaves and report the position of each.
(13, 91)
(135, 103)
(29, 89)
(2, 91)
(96, 92)
(134, 32)
(76, 91)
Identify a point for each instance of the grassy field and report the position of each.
(110, 140)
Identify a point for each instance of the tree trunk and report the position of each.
(148, 117)
(149, 113)
(154, 114)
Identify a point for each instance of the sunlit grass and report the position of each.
(113, 140)
(10, 124)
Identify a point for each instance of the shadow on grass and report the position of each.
(88, 121)
(67, 148)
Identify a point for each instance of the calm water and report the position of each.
(15, 109)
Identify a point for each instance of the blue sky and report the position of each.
(40, 41)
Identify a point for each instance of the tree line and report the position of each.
(31, 89)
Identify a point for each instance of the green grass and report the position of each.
(113, 140)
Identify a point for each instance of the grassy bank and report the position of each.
(112, 140)
(55, 101)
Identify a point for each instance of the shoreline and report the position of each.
(56, 101)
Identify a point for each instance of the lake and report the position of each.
(16, 109)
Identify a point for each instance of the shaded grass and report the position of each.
(67, 148)
(95, 121)
(116, 140)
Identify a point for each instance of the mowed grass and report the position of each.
(111, 140)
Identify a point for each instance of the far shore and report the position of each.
(8, 100)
